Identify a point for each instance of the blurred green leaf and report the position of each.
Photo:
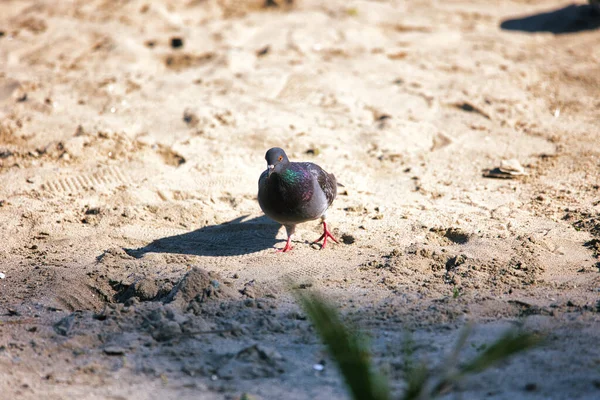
(512, 342)
(351, 354)
(348, 350)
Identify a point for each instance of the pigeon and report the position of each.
(295, 192)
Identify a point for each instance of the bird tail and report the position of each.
(340, 185)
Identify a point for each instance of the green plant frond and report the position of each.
(510, 343)
(347, 348)
(350, 352)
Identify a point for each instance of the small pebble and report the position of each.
(348, 239)
(263, 51)
(176, 42)
(114, 351)
(167, 331)
(531, 387)
(190, 117)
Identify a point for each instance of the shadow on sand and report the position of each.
(569, 19)
(233, 238)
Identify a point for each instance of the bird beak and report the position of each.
(270, 170)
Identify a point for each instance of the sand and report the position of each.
(137, 263)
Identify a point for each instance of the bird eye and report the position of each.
(280, 158)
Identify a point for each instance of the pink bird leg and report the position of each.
(287, 247)
(325, 235)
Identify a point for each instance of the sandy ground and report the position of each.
(136, 261)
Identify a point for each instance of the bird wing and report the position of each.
(263, 178)
(327, 181)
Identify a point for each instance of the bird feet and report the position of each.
(288, 246)
(325, 235)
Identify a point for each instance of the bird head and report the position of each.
(276, 159)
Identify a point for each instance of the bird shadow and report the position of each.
(239, 236)
(570, 19)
